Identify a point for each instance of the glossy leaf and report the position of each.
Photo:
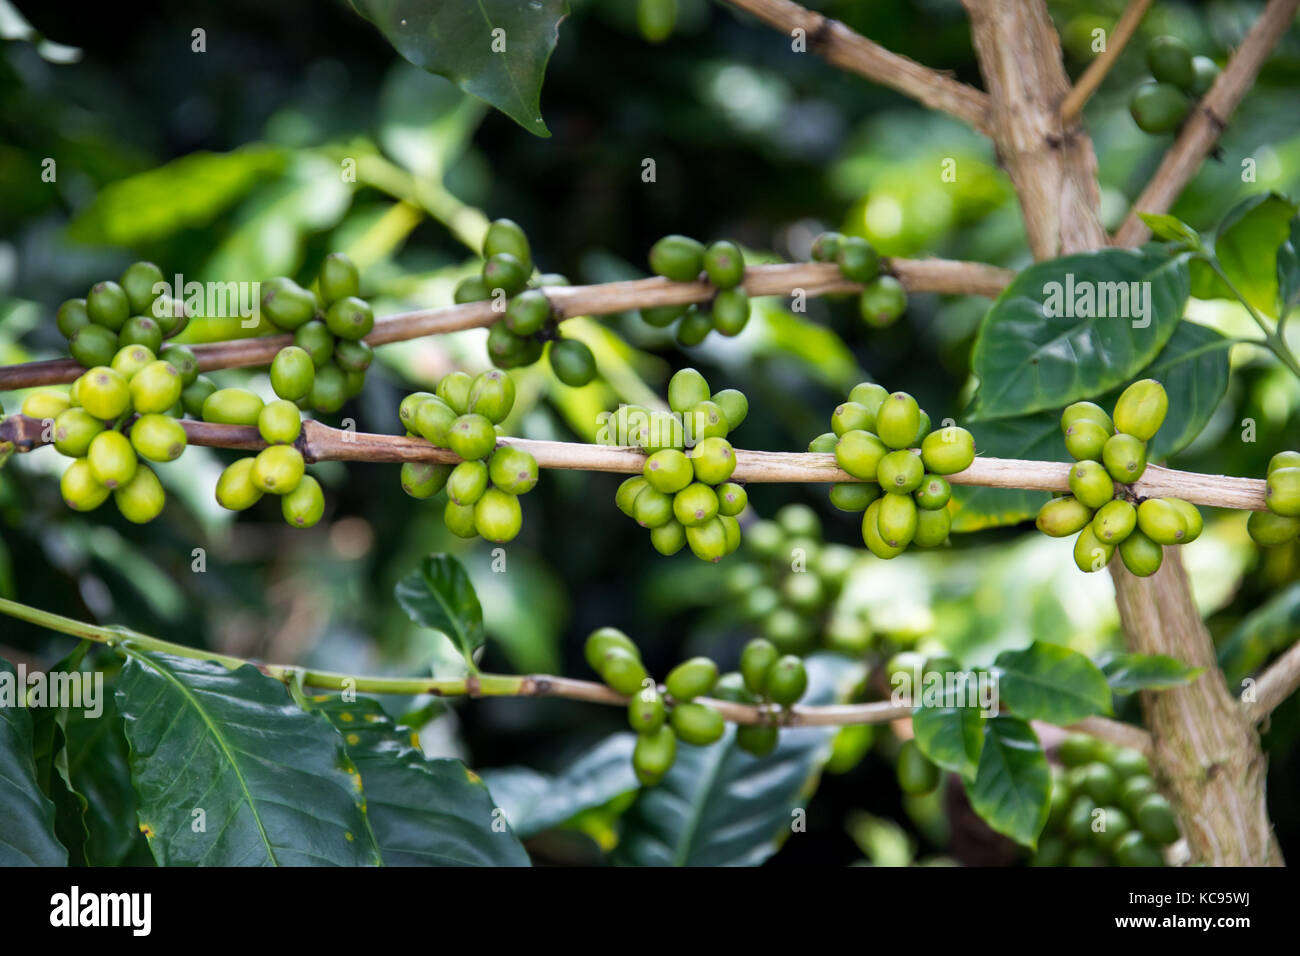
(419, 811)
(1013, 784)
(1052, 683)
(535, 801)
(496, 50)
(27, 818)
(720, 806)
(267, 777)
(1127, 673)
(99, 767)
(439, 594)
(951, 737)
(1247, 243)
(1042, 345)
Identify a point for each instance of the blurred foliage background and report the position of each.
(225, 165)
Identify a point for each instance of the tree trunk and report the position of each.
(1206, 752)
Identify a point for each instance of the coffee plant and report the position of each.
(1092, 367)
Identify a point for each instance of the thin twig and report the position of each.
(320, 442)
(1208, 120)
(1096, 71)
(1276, 684)
(945, 276)
(854, 53)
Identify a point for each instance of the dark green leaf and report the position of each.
(1052, 683)
(1013, 783)
(1288, 269)
(27, 818)
(1247, 244)
(439, 594)
(952, 737)
(535, 801)
(1127, 673)
(69, 688)
(99, 765)
(1171, 228)
(420, 811)
(1269, 628)
(720, 806)
(268, 778)
(494, 49)
(1043, 344)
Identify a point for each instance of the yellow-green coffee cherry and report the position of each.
(756, 661)
(155, 388)
(897, 420)
(1085, 440)
(604, 639)
(235, 488)
(697, 724)
(871, 536)
(695, 505)
(1162, 522)
(111, 458)
(853, 496)
(668, 538)
(713, 460)
(709, 541)
(900, 472)
(1086, 411)
(80, 489)
(278, 469)
(233, 406)
(130, 359)
(279, 422)
(467, 482)
(652, 508)
(287, 304)
(43, 405)
(654, 755)
(459, 520)
(686, 389)
(732, 499)
(787, 680)
(1114, 521)
(948, 450)
(691, 679)
(1062, 517)
(1269, 530)
(1140, 409)
(622, 670)
(159, 437)
(492, 395)
(668, 471)
(513, 470)
(933, 493)
(706, 420)
(849, 416)
(1091, 484)
(183, 359)
(1125, 457)
(1191, 517)
(454, 389)
(316, 340)
(433, 421)
(305, 505)
(625, 497)
(645, 711)
(141, 499)
(497, 516)
(932, 528)
(1090, 552)
(104, 393)
(292, 373)
(472, 437)
(1283, 459)
(424, 479)
(1282, 492)
(734, 405)
(859, 453)
(896, 520)
(73, 431)
(1140, 554)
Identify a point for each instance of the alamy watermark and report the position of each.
(75, 689)
(1086, 299)
(212, 299)
(935, 688)
(631, 425)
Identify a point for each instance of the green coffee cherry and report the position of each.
(900, 472)
(625, 497)
(353, 356)
(686, 389)
(857, 259)
(506, 273)
(923, 429)
(859, 453)
(1191, 517)
(645, 711)
(756, 662)
(705, 420)
(669, 470)
(713, 460)
(528, 312)
(572, 362)
(305, 505)
(916, 774)
(622, 670)
(107, 305)
(1162, 522)
(1125, 457)
(45, 405)
(350, 318)
(1134, 790)
(472, 437)
(897, 420)
(424, 479)
(1206, 71)
(497, 516)
(826, 246)
(1140, 554)
(492, 395)
(182, 359)
(1282, 491)
(871, 536)
(1283, 459)
(470, 289)
(131, 358)
(235, 488)
(141, 499)
(287, 304)
(508, 350)
(732, 499)
(433, 421)
(193, 396)
(789, 631)
(93, 346)
(932, 528)
(668, 538)
(467, 482)
(1079, 749)
(279, 422)
(933, 493)
(111, 458)
(155, 388)
(694, 505)
(602, 640)
(694, 327)
(513, 470)
(1140, 409)
(1086, 411)
(1114, 521)
(233, 406)
(662, 316)
(1156, 818)
(732, 528)
(652, 508)
(1133, 849)
(691, 679)
(697, 724)
(459, 520)
(1085, 440)
(406, 411)
(1170, 61)
(730, 311)
(948, 450)
(158, 437)
(171, 314)
(338, 278)
(1265, 528)
(506, 237)
(654, 755)
(278, 469)
(104, 393)
(757, 739)
(80, 489)
(787, 680)
(1158, 107)
(853, 496)
(316, 340)
(1129, 763)
(709, 540)
(292, 373)
(1090, 552)
(72, 317)
(1098, 781)
(882, 302)
(140, 330)
(850, 416)
(870, 396)
(725, 265)
(678, 258)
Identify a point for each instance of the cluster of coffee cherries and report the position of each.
(683, 259)
(114, 416)
(1101, 507)
(663, 715)
(528, 321)
(884, 440)
(1161, 103)
(114, 315)
(483, 489)
(279, 469)
(1280, 524)
(1105, 809)
(883, 298)
(790, 582)
(683, 494)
